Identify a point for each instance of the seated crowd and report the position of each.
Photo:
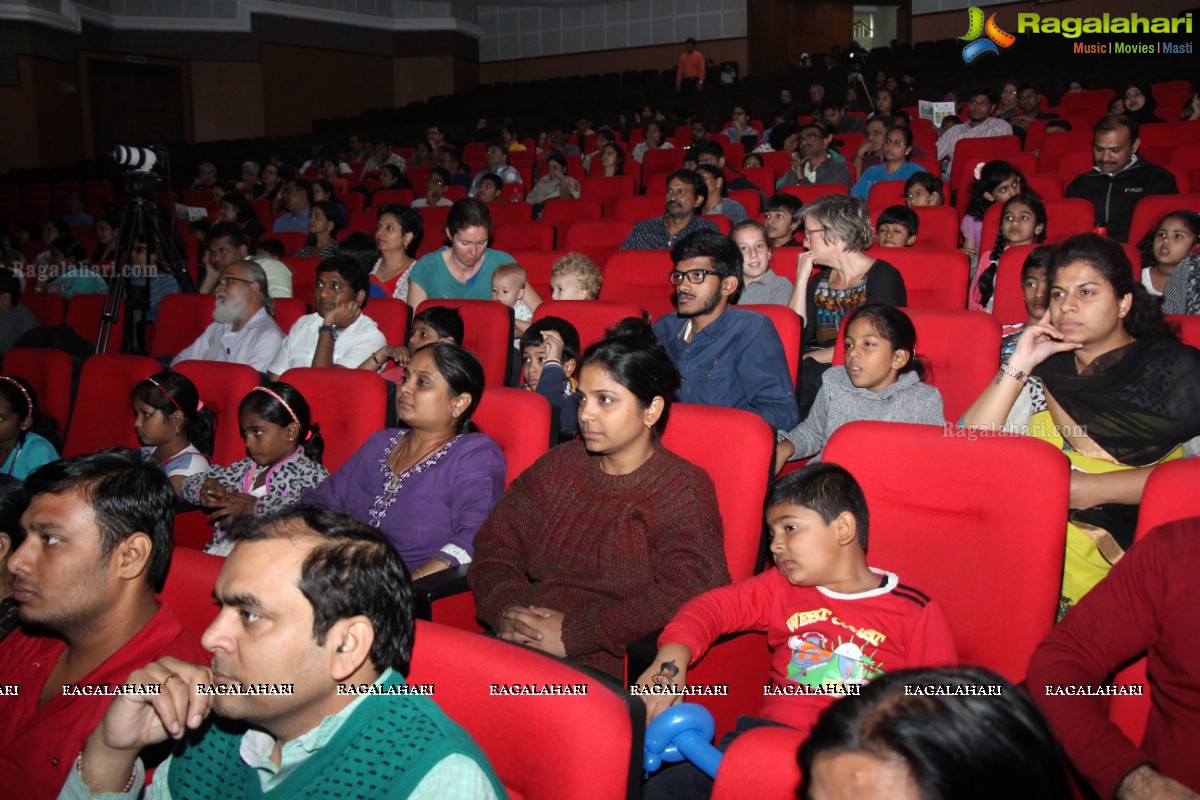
(782, 303)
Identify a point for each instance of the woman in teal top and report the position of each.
(462, 271)
(26, 435)
(67, 272)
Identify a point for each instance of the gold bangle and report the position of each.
(375, 358)
(1012, 372)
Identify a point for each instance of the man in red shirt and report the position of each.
(97, 547)
(689, 77)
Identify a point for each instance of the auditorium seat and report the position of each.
(103, 416)
(348, 404)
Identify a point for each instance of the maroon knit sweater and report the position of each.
(617, 554)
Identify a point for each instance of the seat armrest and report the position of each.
(441, 584)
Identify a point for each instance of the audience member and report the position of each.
(819, 524)
(895, 167)
(496, 162)
(935, 733)
(686, 196)
(508, 287)
(324, 222)
(549, 355)
(398, 233)
(716, 201)
(556, 183)
(1094, 357)
(897, 226)
(782, 217)
(689, 75)
(283, 460)
(833, 113)
(1120, 176)
(28, 437)
(297, 200)
(924, 189)
(433, 324)
(601, 541)
(88, 611)
(173, 425)
(435, 188)
(430, 485)
(15, 319)
(980, 123)
(815, 163)
(337, 333)
(762, 285)
(1022, 221)
(575, 277)
(1035, 290)
(227, 245)
(243, 330)
(487, 188)
(883, 380)
(340, 604)
(1147, 605)
(995, 182)
(726, 356)
(13, 501)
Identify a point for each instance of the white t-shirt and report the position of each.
(354, 345)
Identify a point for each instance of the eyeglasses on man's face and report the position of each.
(693, 276)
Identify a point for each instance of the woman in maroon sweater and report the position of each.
(601, 541)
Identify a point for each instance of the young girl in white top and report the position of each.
(1172, 240)
(174, 427)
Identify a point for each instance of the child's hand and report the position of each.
(212, 492)
(669, 668)
(553, 343)
(231, 505)
(398, 354)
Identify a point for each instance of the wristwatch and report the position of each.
(332, 330)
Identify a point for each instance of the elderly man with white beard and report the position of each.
(243, 330)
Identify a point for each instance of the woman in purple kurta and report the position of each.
(428, 487)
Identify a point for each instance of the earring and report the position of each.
(454, 414)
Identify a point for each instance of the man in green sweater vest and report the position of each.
(306, 684)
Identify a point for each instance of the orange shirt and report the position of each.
(691, 65)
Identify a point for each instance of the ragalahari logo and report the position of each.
(996, 37)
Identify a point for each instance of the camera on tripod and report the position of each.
(141, 179)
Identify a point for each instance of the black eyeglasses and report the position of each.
(693, 275)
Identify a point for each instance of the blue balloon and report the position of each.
(684, 731)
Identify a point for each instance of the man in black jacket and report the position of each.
(1119, 178)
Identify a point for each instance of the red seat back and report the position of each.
(392, 316)
(83, 315)
(222, 387)
(938, 227)
(933, 277)
(181, 320)
(189, 587)
(742, 775)
(487, 332)
(287, 311)
(590, 317)
(519, 421)
(511, 211)
(640, 277)
(537, 265)
(511, 236)
(636, 209)
(596, 761)
(807, 192)
(1152, 208)
(1058, 145)
(304, 277)
(103, 415)
(49, 372)
(960, 349)
(1009, 305)
(789, 327)
(1189, 328)
(49, 308)
(967, 544)
(969, 152)
(348, 404)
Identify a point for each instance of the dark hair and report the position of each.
(239, 202)
(1108, 258)
(954, 745)
(780, 133)
(905, 133)
(620, 151)
(463, 373)
(261, 402)
(557, 158)
(70, 248)
(446, 322)
(354, 571)
(726, 259)
(410, 221)
(467, 212)
(127, 496)
(168, 392)
(392, 170)
(226, 230)
(987, 279)
(332, 213)
(693, 179)
(716, 172)
(827, 489)
(570, 336)
(991, 175)
(451, 151)
(442, 173)
(304, 185)
(272, 247)
(13, 502)
(1057, 124)
(1038, 258)
(359, 247)
(351, 271)
(709, 147)
(986, 91)
(492, 178)
(1189, 218)
(10, 285)
(1114, 122)
(785, 202)
(631, 355)
(928, 181)
(894, 325)
(22, 404)
(899, 215)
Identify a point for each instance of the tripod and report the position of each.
(140, 222)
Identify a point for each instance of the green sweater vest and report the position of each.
(382, 751)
